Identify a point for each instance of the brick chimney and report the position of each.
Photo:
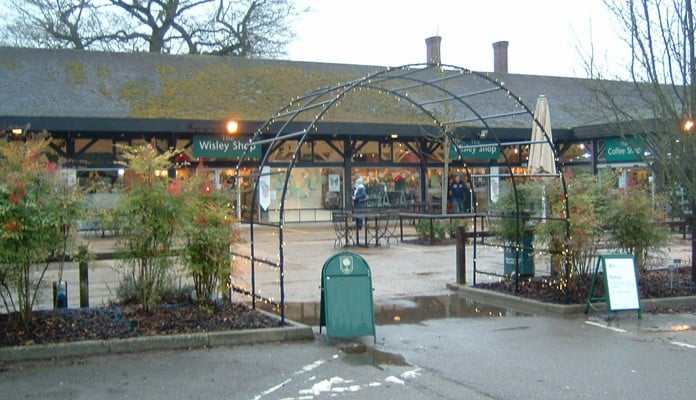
(500, 57)
(432, 45)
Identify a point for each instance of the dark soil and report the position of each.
(651, 284)
(66, 325)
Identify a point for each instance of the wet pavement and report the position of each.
(407, 310)
(431, 343)
(513, 357)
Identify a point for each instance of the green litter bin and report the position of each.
(526, 257)
(347, 304)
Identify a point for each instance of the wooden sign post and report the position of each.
(620, 283)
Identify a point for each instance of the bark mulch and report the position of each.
(54, 326)
(65, 325)
(651, 284)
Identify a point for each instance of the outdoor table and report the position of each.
(372, 221)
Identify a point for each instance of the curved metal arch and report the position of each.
(324, 99)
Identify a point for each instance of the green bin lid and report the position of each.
(345, 263)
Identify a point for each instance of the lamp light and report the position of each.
(232, 126)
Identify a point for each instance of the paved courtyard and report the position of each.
(405, 269)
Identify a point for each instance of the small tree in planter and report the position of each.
(513, 223)
(635, 224)
(209, 231)
(151, 219)
(587, 197)
(37, 210)
(624, 218)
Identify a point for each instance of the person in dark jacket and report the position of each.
(458, 191)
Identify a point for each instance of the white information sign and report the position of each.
(495, 184)
(622, 289)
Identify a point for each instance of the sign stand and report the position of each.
(620, 287)
(347, 304)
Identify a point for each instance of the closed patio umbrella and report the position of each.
(541, 157)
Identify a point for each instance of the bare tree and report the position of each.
(52, 24)
(247, 28)
(253, 33)
(659, 36)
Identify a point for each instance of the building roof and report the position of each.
(96, 90)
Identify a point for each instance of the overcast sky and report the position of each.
(545, 36)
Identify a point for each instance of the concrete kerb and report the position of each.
(536, 307)
(292, 331)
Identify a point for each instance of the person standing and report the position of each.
(359, 200)
(468, 196)
(457, 192)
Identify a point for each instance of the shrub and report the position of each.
(423, 230)
(513, 212)
(38, 210)
(626, 219)
(151, 219)
(587, 199)
(453, 226)
(170, 293)
(634, 223)
(209, 232)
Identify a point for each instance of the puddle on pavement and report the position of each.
(360, 354)
(410, 310)
(681, 328)
(670, 328)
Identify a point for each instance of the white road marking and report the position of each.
(309, 367)
(414, 373)
(681, 344)
(334, 385)
(305, 369)
(394, 379)
(611, 328)
(273, 389)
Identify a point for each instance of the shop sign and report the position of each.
(619, 150)
(475, 150)
(208, 146)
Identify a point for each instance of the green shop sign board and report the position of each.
(474, 150)
(629, 149)
(208, 146)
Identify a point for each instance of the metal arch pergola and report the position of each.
(451, 97)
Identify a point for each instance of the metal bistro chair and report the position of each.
(391, 231)
(342, 228)
(385, 229)
(388, 227)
